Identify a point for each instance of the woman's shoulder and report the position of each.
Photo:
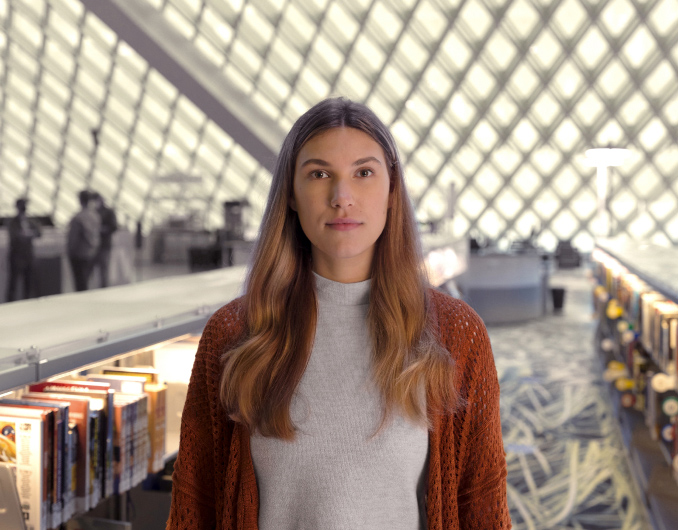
(450, 311)
(225, 327)
(230, 314)
(459, 327)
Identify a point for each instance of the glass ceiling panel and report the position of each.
(663, 17)
(522, 18)
(479, 93)
(84, 79)
(570, 18)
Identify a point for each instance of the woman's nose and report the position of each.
(342, 195)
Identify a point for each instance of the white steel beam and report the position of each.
(171, 54)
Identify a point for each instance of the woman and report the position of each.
(341, 391)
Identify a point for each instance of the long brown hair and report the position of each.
(410, 367)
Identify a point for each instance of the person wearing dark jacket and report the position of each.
(83, 240)
(22, 232)
(109, 224)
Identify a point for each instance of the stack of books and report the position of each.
(71, 443)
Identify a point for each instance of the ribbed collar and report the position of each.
(337, 293)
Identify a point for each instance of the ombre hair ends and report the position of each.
(413, 372)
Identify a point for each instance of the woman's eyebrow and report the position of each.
(316, 161)
(365, 160)
(320, 162)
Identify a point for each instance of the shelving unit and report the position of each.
(651, 463)
(44, 337)
(653, 264)
(58, 335)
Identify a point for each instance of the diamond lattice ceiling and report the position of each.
(65, 74)
(499, 97)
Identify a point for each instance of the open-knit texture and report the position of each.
(214, 485)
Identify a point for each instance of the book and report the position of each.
(176, 398)
(121, 383)
(647, 300)
(73, 451)
(150, 373)
(663, 313)
(144, 440)
(121, 436)
(157, 395)
(96, 456)
(79, 413)
(157, 407)
(137, 446)
(23, 435)
(48, 415)
(94, 390)
(58, 478)
(140, 437)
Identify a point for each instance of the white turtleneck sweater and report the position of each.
(336, 474)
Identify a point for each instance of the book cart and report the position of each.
(636, 302)
(53, 339)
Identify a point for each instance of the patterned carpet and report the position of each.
(566, 464)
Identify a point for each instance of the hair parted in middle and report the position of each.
(410, 368)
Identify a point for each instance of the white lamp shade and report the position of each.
(606, 157)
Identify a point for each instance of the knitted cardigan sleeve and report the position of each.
(197, 481)
(482, 486)
(472, 448)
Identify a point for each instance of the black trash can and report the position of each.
(558, 295)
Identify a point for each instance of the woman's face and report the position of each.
(341, 194)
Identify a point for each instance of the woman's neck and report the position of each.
(337, 293)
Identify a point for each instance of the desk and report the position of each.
(52, 269)
(504, 287)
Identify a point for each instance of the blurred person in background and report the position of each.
(109, 224)
(22, 232)
(83, 240)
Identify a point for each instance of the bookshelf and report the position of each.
(652, 458)
(44, 339)
(651, 263)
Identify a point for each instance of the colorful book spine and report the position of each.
(73, 451)
(95, 457)
(23, 441)
(122, 433)
(157, 397)
(149, 373)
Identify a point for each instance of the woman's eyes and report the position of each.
(320, 174)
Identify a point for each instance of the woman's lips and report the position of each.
(344, 224)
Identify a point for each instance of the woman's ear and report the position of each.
(292, 203)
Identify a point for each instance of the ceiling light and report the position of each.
(606, 157)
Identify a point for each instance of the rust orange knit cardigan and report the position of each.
(214, 486)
